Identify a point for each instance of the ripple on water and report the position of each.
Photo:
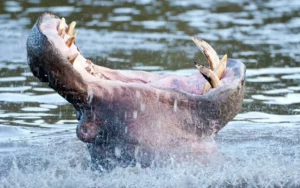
(262, 117)
(256, 149)
(12, 79)
(290, 98)
(292, 77)
(126, 10)
(12, 6)
(15, 89)
(262, 79)
(52, 98)
(35, 109)
(120, 19)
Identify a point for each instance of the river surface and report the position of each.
(259, 148)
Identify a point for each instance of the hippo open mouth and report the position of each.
(128, 116)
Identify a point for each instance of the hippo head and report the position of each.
(155, 113)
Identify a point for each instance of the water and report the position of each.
(259, 148)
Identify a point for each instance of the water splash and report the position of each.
(66, 164)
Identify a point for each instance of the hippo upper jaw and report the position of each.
(49, 64)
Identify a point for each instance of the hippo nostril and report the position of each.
(84, 130)
(101, 137)
(101, 133)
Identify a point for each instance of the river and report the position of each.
(259, 148)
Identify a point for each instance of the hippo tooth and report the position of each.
(209, 75)
(60, 32)
(219, 72)
(70, 41)
(61, 27)
(71, 28)
(210, 54)
(72, 58)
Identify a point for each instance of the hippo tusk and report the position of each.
(216, 65)
(222, 66)
(209, 75)
(208, 51)
(219, 72)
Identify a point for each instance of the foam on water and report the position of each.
(65, 163)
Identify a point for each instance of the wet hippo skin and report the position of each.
(134, 116)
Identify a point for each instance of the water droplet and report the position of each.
(138, 94)
(175, 106)
(117, 152)
(142, 107)
(135, 113)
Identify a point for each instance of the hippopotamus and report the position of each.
(129, 117)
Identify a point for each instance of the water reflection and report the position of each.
(154, 36)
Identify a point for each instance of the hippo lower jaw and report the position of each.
(118, 109)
